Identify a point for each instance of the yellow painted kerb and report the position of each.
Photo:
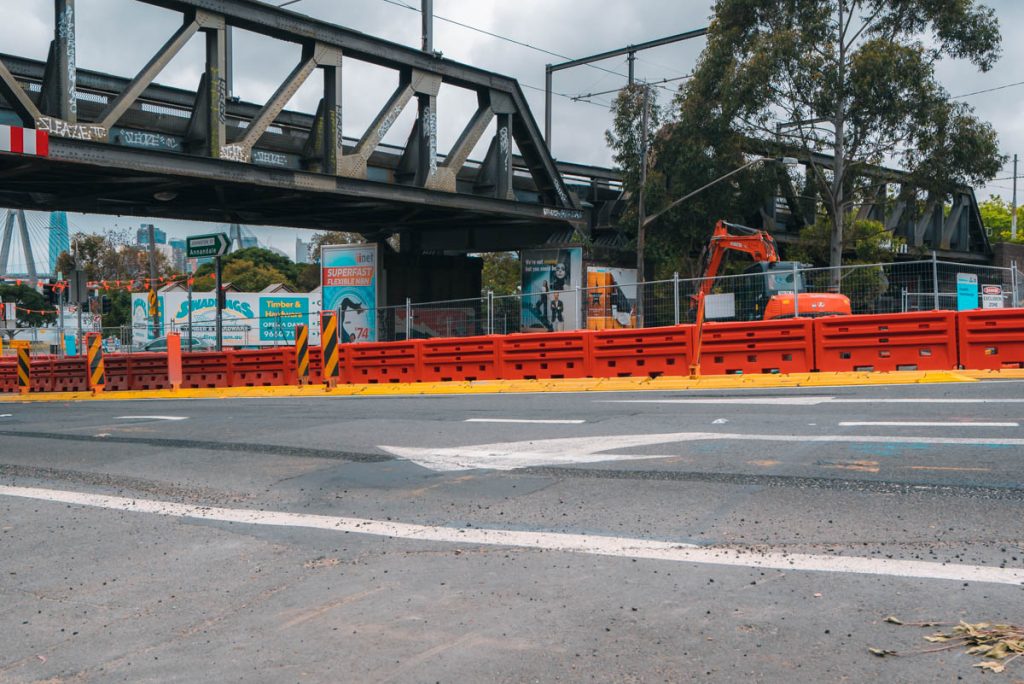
(522, 386)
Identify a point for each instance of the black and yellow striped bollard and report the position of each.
(24, 369)
(97, 371)
(329, 344)
(302, 353)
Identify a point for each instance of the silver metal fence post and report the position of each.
(580, 324)
(1014, 283)
(408, 318)
(675, 295)
(796, 291)
(490, 312)
(935, 280)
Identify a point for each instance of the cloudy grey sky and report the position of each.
(119, 36)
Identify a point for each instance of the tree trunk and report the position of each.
(835, 252)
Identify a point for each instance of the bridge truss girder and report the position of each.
(429, 190)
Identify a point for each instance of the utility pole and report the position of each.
(427, 15)
(157, 329)
(641, 217)
(1013, 213)
(78, 302)
(189, 282)
(60, 314)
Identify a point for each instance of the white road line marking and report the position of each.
(5, 415)
(782, 401)
(622, 547)
(926, 400)
(921, 423)
(803, 401)
(151, 418)
(524, 420)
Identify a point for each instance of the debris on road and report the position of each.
(999, 644)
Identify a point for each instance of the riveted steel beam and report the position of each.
(444, 177)
(17, 98)
(119, 105)
(242, 149)
(354, 165)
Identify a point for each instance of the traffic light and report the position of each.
(51, 293)
(105, 305)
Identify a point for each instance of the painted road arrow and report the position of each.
(571, 450)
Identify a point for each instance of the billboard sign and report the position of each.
(349, 277)
(550, 281)
(250, 319)
(610, 297)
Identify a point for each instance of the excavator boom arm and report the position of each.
(731, 237)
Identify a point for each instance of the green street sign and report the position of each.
(213, 245)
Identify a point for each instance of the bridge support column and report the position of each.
(211, 121)
(64, 89)
(332, 115)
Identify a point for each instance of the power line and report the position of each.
(398, 3)
(580, 97)
(604, 105)
(988, 90)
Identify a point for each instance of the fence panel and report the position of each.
(777, 346)
(379, 362)
(991, 339)
(886, 342)
(477, 358)
(545, 355)
(637, 353)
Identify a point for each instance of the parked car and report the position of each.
(160, 345)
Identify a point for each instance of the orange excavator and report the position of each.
(771, 288)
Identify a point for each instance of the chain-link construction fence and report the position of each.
(767, 293)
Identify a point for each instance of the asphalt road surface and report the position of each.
(754, 536)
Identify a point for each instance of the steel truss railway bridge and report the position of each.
(125, 145)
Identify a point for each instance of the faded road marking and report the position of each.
(953, 468)
(622, 547)
(804, 401)
(151, 418)
(920, 423)
(524, 420)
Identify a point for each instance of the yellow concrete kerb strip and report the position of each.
(523, 386)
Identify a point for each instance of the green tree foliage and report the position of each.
(502, 273)
(853, 80)
(866, 243)
(681, 161)
(251, 270)
(996, 216)
(110, 256)
(31, 306)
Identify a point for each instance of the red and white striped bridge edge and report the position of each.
(24, 141)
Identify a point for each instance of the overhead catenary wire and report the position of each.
(520, 43)
(581, 96)
(987, 90)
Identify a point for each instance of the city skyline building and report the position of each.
(59, 240)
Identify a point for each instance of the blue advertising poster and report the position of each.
(349, 277)
(280, 315)
(966, 291)
(551, 278)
